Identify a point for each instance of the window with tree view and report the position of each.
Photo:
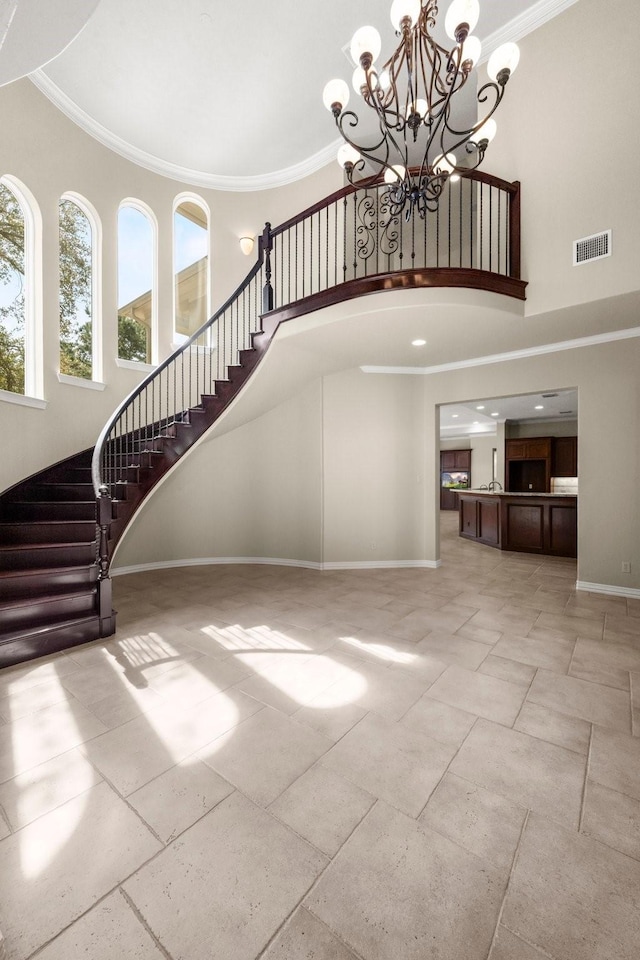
(191, 266)
(76, 292)
(136, 299)
(12, 293)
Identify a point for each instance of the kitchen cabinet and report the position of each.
(455, 474)
(564, 457)
(523, 523)
(528, 465)
(455, 460)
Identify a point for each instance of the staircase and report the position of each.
(59, 528)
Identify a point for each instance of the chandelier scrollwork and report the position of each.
(411, 100)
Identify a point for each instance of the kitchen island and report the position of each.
(544, 523)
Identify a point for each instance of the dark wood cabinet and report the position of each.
(452, 460)
(455, 460)
(528, 465)
(523, 524)
(564, 457)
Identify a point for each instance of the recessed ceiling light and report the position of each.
(496, 414)
(454, 415)
(479, 408)
(418, 343)
(539, 407)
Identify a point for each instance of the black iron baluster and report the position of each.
(499, 228)
(267, 294)
(481, 224)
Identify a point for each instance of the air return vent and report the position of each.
(594, 247)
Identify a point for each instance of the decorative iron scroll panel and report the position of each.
(357, 235)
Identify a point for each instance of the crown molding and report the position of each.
(546, 348)
(526, 23)
(198, 178)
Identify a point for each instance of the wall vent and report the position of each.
(594, 247)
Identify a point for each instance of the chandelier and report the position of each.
(410, 97)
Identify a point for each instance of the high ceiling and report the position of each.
(223, 94)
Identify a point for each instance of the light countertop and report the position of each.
(506, 493)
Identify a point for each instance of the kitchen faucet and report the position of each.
(494, 484)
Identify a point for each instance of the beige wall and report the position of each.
(541, 428)
(568, 130)
(372, 495)
(51, 155)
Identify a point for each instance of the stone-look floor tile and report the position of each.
(479, 634)
(198, 680)
(572, 896)
(124, 705)
(4, 832)
(376, 687)
(536, 652)
(580, 698)
(57, 867)
(482, 822)
(585, 604)
(110, 929)
(307, 938)
(613, 818)
(398, 888)
(633, 607)
(505, 669)
(176, 799)
(510, 619)
(615, 761)
(626, 628)
(328, 717)
(572, 627)
(223, 888)
(603, 662)
(15, 679)
(507, 946)
(266, 754)
(323, 808)
(479, 693)
(530, 772)
(391, 762)
(136, 752)
(43, 788)
(480, 600)
(41, 736)
(438, 720)
(31, 699)
(454, 649)
(554, 727)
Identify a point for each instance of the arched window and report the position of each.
(12, 292)
(190, 265)
(20, 291)
(136, 283)
(79, 332)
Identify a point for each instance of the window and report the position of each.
(78, 294)
(21, 368)
(136, 283)
(12, 292)
(191, 265)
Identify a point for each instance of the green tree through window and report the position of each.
(76, 292)
(12, 302)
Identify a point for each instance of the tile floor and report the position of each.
(269, 762)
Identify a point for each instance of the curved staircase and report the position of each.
(59, 528)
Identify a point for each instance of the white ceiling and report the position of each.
(223, 94)
(466, 419)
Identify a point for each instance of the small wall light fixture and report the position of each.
(246, 245)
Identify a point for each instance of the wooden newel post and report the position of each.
(267, 290)
(105, 600)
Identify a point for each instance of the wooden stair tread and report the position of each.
(43, 629)
(47, 598)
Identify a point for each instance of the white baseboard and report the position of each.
(609, 589)
(278, 562)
